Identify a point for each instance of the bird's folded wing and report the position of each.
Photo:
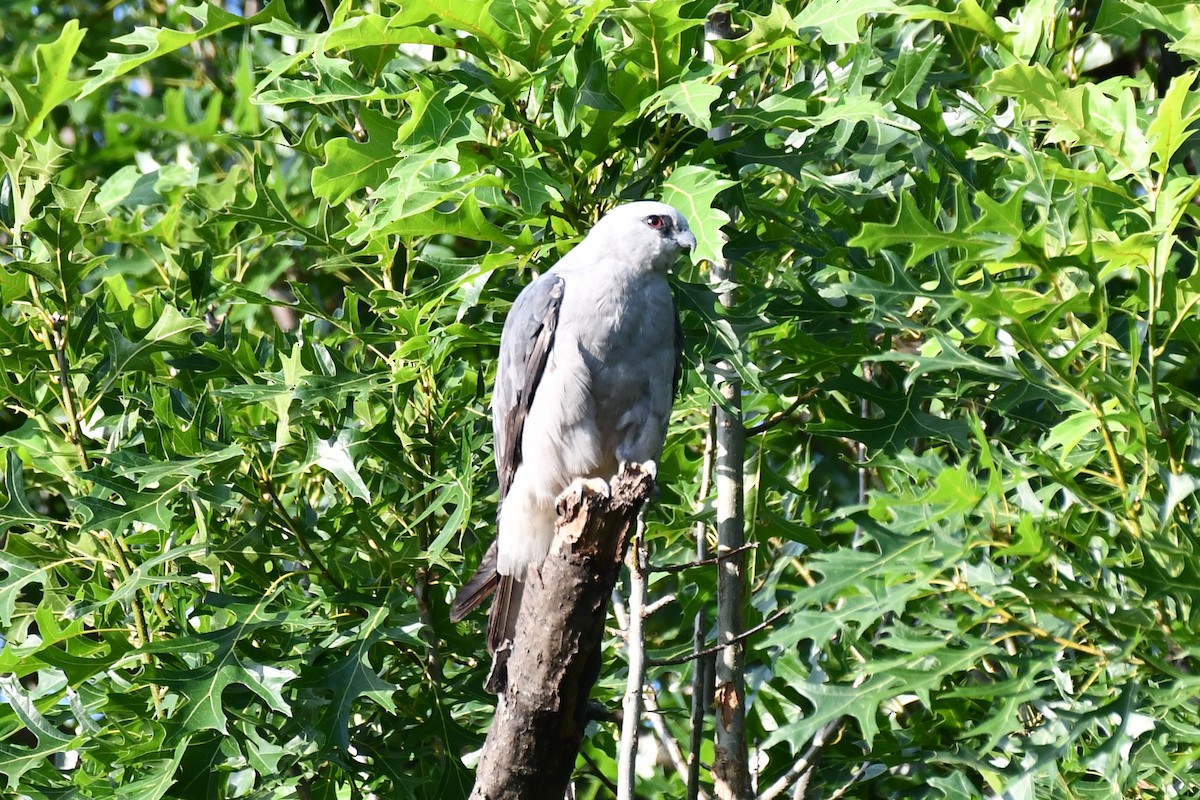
(478, 588)
(524, 350)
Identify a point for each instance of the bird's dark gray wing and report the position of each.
(525, 348)
(477, 588)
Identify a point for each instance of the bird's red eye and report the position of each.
(656, 222)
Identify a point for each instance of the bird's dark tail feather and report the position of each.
(502, 623)
(478, 588)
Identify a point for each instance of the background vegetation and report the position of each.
(254, 260)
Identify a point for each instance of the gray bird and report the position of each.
(589, 365)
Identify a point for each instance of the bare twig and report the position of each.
(741, 637)
(730, 770)
(701, 672)
(800, 770)
(841, 792)
(705, 562)
(665, 738)
(635, 648)
(658, 604)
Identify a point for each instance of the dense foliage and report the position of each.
(254, 262)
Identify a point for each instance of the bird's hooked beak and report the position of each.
(686, 240)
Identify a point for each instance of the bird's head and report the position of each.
(645, 233)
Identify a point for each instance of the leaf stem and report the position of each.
(58, 328)
(292, 525)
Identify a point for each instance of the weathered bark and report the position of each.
(635, 647)
(555, 659)
(730, 768)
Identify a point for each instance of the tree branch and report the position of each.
(772, 421)
(702, 670)
(665, 738)
(828, 732)
(705, 562)
(741, 637)
(293, 526)
(635, 648)
(730, 769)
(555, 659)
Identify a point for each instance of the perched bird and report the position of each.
(589, 365)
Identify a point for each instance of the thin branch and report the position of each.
(701, 688)
(658, 604)
(665, 738)
(635, 648)
(770, 422)
(112, 542)
(860, 456)
(730, 769)
(701, 671)
(705, 562)
(58, 325)
(598, 773)
(841, 792)
(293, 526)
(828, 732)
(741, 637)
(433, 656)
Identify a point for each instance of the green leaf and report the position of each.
(913, 229)
(536, 28)
(202, 689)
(157, 780)
(693, 190)
(771, 31)
(691, 96)
(658, 41)
(1079, 115)
(50, 741)
(154, 508)
(428, 171)
(52, 87)
(17, 510)
(966, 14)
(352, 677)
(333, 455)
(21, 573)
(63, 237)
(160, 42)
(902, 420)
(533, 185)
(352, 165)
(1179, 20)
(147, 472)
(452, 217)
(1173, 122)
(170, 331)
(836, 21)
(373, 30)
